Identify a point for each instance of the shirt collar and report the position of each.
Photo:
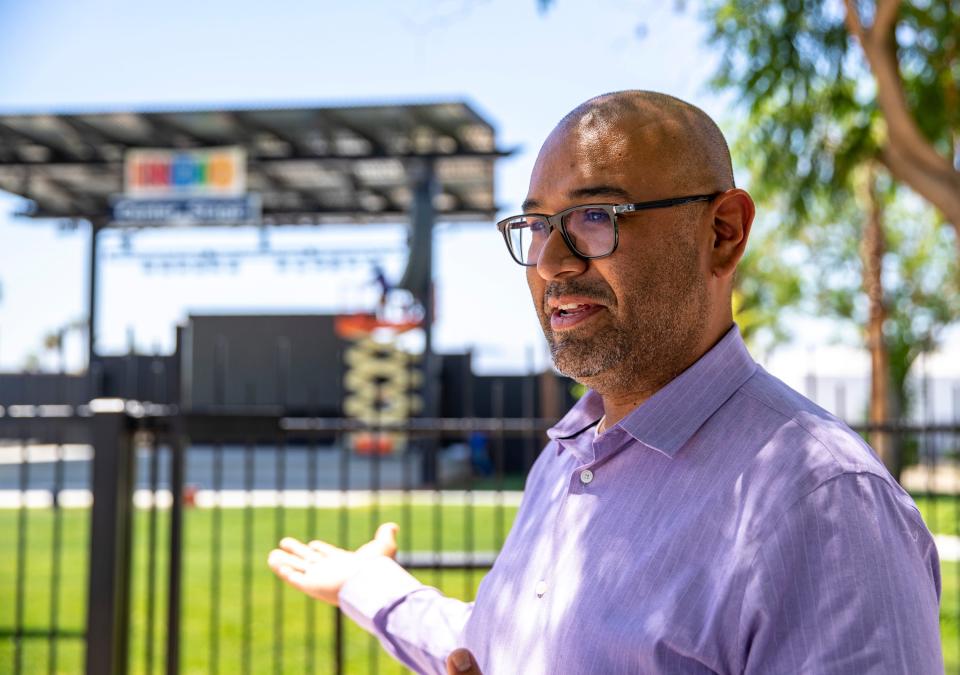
(667, 420)
(584, 414)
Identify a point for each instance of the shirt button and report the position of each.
(586, 476)
(541, 588)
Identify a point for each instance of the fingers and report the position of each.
(386, 537)
(323, 547)
(278, 559)
(461, 662)
(291, 575)
(289, 568)
(384, 542)
(297, 548)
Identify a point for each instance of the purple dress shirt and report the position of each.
(727, 525)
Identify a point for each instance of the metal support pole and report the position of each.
(95, 228)
(418, 279)
(108, 589)
(92, 273)
(418, 276)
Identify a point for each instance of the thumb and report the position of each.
(461, 662)
(386, 538)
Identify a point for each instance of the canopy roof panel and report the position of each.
(310, 165)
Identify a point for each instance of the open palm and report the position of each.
(320, 569)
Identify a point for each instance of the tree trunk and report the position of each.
(872, 251)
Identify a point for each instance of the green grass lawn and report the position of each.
(235, 612)
(231, 601)
(940, 513)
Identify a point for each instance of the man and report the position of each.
(691, 513)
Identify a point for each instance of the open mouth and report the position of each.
(570, 314)
(573, 308)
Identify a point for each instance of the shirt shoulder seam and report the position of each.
(799, 424)
(761, 539)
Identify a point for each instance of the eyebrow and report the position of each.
(584, 193)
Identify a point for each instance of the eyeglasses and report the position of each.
(589, 231)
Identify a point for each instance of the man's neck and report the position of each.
(615, 408)
(620, 401)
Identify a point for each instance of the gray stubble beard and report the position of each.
(634, 353)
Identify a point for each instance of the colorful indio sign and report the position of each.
(206, 172)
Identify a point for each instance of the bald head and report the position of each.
(691, 146)
(661, 298)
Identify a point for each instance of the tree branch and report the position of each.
(852, 18)
(880, 48)
(940, 189)
(908, 152)
(885, 16)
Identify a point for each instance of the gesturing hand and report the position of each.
(320, 569)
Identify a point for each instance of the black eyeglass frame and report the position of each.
(613, 210)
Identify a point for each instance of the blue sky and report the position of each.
(521, 68)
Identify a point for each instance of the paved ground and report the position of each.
(283, 478)
(269, 469)
(944, 478)
(948, 546)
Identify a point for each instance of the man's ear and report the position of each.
(733, 213)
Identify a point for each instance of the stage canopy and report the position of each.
(308, 165)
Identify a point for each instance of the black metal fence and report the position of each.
(164, 584)
(148, 553)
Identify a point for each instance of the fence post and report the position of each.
(178, 446)
(108, 588)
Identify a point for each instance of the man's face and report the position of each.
(633, 318)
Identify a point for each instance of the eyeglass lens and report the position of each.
(590, 230)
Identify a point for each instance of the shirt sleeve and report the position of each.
(848, 581)
(416, 624)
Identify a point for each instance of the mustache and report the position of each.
(591, 289)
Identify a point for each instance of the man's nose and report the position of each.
(557, 260)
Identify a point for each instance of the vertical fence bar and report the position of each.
(343, 536)
(154, 470)
(529, 411)
(810, 380)
(18, 628)
(433, 446)
(373, 647)
(108, 596)
(278, 533)
(247, 632)
(220, 366)
(927, 450)
(497, 406)
(406, 468)
(473, 461)
(157, 385)
(840, 400)
(310, 603)
(216, 548)
(406, 508)
(56, 548)
(956, 502)
(338, 641)
(56, 560)
(177, 449)
(406, 483)
(283, 372)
